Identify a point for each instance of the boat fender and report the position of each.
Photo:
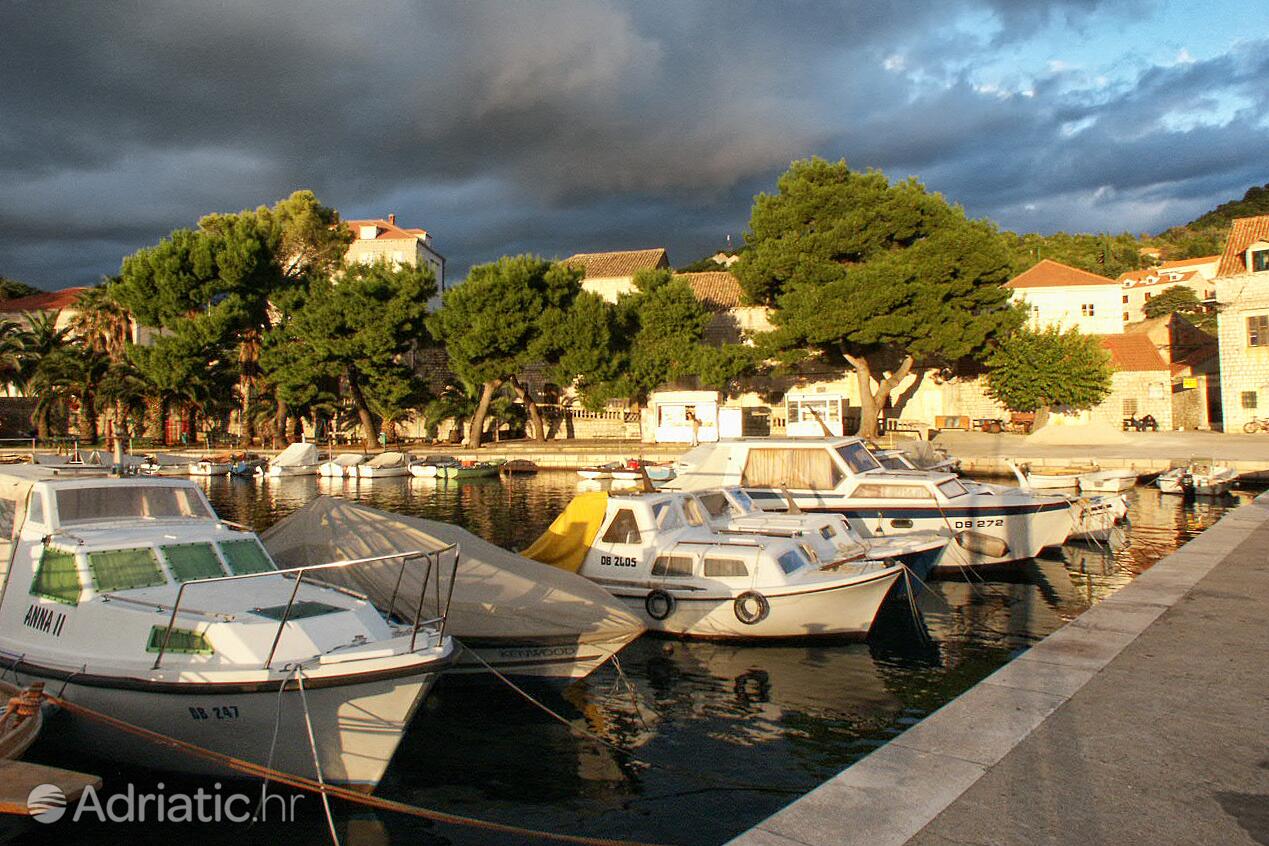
(982, 544)
(658, 604)
(751, 607)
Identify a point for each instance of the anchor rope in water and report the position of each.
(309, 785)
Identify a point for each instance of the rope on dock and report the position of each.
(309, 785)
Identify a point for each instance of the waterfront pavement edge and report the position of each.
(1015, 760)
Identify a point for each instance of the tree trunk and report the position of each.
(535, 414)
(88, 418)
(246, 425)
(154, 419)
(119, 429)
(370, 432)
(478, 419)
(1041, 418)
(872, 401)
(279, 420)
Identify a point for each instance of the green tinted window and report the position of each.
(246, 556)
(121, 569)
(190, 561)
(184, 641)
(57, 577)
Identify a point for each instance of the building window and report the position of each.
(1087, 310)
(1125, 299)
(1260, 261)
(1249, 399)
(1149, 296)
(1126, 317)
(1130, 407)
(1258, 331)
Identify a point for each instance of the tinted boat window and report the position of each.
(741, 499)
(858, 458)
(693, 511)
(666, 516)
(725, 568)
(622, 529)
(715, 503)
(246, 556)
(81, 505)
(951, 488)
(791, 561)
(672, 565)
(891, 492)
(123, 569)
(190, 561)
(57, 577)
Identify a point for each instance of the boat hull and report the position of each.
(274, 471)
(833, 610)
(356, 726)
(1107, 484)
(552, 661)
(1057, 481)
(423, 471)
(207, 468)
(364, 472)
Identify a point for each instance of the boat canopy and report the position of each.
(567, 540)
(497, 594)
(388, 459)
(348, 459)
(296, 455)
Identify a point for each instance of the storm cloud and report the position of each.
(555, 127)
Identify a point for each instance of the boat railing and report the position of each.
(431, 562)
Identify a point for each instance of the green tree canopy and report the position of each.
(878, 275)
(11, 289)
(506, 315)
(358, 327)
(1181, 299)
(1038, 369)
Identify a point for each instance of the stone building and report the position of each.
(1242, 295)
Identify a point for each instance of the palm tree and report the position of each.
(105, 329)
(48, 384)
(11, 346)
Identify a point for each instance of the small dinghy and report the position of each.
(1197, 479)
(1056, 478)
(470, 469)
(1108, 481)
(601, 471)
(165, 464)
(385, 465)
(20, 719)
(341, 465)
(666, 564)
(218, 465)
(430, 467)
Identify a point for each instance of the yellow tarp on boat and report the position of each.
(565, 543)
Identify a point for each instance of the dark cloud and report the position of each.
(562, 126)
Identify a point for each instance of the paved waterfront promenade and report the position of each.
(1144, 721)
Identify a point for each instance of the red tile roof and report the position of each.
(387, 231)
(1133, 352)
(1189, 262)
(625, 263)
(1244, 232)
(718, 290)
(1053, 274)
(45, 301)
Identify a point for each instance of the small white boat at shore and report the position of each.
(682, 577)
(341, 465)
(432, 466)
(1056, 478)
(165, 464)
(601, 471)
(1108, 481)
(211, 466)
(130, 597)
(296, 460)
(384, 465)
(1197, 479)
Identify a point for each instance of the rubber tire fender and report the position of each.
(741, 608)
(657, 598)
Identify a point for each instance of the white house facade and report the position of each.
(1242, 295)
(1059, 295)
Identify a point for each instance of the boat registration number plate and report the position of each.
(618, 561)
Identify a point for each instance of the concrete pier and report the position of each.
(1144, 721)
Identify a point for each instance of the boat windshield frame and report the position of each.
(857, 458)
(433, 565)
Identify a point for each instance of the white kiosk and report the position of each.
(803, 410)
(674, 411)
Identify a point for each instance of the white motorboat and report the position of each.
(342, 465)
(520, 617)
(385, 465)
(247, 465)
(1093, 517)
(1108, 481)
(1197, 479)
(917, 455)
(989, 524)
(432, 466)
(296, 460)
(131, 598)
(165, 464)
(219, 465)
(684, 578)
(601, 471)
(1056, 478)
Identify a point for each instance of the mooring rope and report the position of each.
(309, 785)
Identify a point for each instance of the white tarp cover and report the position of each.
(497, 594)
(388, 459)
(296, 455)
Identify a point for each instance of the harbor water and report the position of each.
(696, 741)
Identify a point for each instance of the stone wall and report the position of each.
(1244, 368)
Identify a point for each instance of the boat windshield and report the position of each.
(952, 488)
(858, 458)
(87, 505)
(741, 499)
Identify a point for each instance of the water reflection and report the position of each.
(720, 735)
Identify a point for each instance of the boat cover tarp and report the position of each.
(348, 459)
(388, 459)
(497, 594)
(567, 540)
(296, 455)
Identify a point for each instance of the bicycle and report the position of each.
(1256, 424)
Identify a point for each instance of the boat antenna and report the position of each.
(645, 481)
(788, 499)
(828, 433)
